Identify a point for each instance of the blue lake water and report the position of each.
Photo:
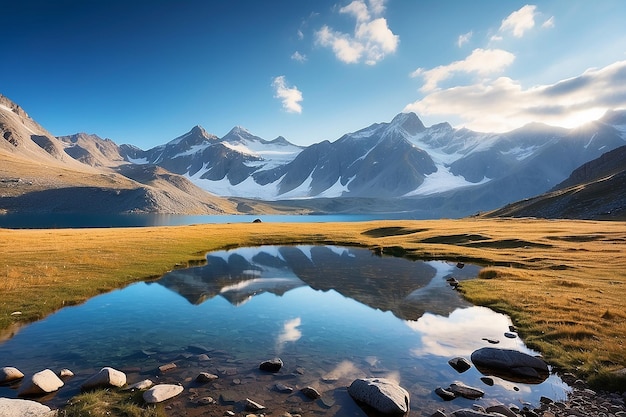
(332, 314)
(83, 220)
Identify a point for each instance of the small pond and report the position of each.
(332, 314)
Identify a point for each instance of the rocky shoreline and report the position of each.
(273, 389)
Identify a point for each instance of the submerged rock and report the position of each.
(310, 392)
(381, 394)
(107, 377)
(9, 374)
(43, 382)
(205, 377)
(272, 365)
(502, 409)
(161, 392)
(467, 412)
(511, 365)
(282, 388)
(445, 394)
(251, 405)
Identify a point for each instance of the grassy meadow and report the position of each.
(562, 282)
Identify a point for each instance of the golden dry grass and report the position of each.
(562, 282)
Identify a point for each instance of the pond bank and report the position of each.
(560, 281)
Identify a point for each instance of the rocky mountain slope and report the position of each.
(596, 190)
(83, 173)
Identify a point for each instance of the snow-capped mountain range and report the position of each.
(402, 158)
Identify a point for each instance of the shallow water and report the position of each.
(331, 314)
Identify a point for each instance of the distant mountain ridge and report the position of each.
(402, 164)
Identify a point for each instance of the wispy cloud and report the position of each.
(549, 23)
(464, 38)
(503, 104)
(481, 62)
(297, 56)
(371, 40)
(291, 97)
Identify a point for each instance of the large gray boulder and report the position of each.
(511, 365)
(43, 382)
(106, 378)
(24, 408)
(381, 394)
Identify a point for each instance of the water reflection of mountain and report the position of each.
(406, 288)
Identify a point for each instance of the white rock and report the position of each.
(42, 382)
(381, 394)
(9, 373)
(66, 373)
(107, 377)
(161, 392)
(23, 408)
(141, 385)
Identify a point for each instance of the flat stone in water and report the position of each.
(466, 391)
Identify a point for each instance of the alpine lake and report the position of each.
(331, 314)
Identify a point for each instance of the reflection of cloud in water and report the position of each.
(462, 332)
(290, 333)
(345, 369)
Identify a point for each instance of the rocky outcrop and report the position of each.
(381, 394)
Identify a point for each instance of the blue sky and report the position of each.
(146, 71)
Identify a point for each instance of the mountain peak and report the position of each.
(409, 122)
(196, 135)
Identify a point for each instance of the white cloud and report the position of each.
(372, 39)
(297, 56)
(464, 38)
(290, 96)
(519, 21)
(504, 104)
(480, 61)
